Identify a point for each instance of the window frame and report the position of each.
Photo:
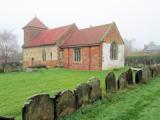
(114, 51)
(77, 55)
(44, 56)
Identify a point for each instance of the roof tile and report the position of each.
(88, 36)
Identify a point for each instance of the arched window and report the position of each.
(51, 55)
(44, 55)
(114, 51)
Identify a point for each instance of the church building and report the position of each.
(94, 48)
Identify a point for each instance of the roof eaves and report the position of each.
(80, 45)
(30, 46)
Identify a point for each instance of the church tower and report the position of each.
(32, 29)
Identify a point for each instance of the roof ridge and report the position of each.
(97, 26)
(36, 22)
(61, 27)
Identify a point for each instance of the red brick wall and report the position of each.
(91, 58)
(114, 35)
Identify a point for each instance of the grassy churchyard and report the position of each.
(140, 102)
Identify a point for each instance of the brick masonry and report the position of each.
(93, 56)
(90, 60)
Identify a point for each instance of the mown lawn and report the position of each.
(16, 87)
(140, 102)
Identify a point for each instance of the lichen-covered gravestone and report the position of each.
(158, 69)
(110, 82)
(64, 103)
(6, 118)
(82, 94)
(146, 75)
(129, 77)
(153, 70)
(122, 82)
(138, 77)
(39, 107)
(95, 89)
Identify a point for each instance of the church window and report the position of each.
(77, 54)
(114, 51)
(44, 55)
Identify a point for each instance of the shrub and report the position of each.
(38, 66)
(141, 60)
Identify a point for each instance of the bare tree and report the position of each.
(129, 46)
(9, 48)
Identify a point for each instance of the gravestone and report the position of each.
(129, 77)
(138, 77)
(95, 89)
(158, 69)
(110, 82)
(153, 70)
(64, 103)
(122, 81)
(146, 75)
(82, 94)
(6, 118)
(39, 107)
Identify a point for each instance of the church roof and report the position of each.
(35, 22)
(79, 37)
(87, 36)
(48, 37)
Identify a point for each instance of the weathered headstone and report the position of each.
(138, 77)
(39, 107)
(154, 71)
(95, 89)
(122, 81)
(64, 103)
(158, 69)
(151, 71)
(129, 77)
(146, 75)
(6, 118)
(82, 94)
(110, 82)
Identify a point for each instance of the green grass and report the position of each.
(16, 87)
(140, 102)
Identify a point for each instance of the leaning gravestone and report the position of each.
(146, 75)
(122, 81)
(158, 69)
(138, 77)
(153, 70)
(82, 94)
(110, 82)
(6, 118)
(95, 89)
(129, 77)
(64, 103)
(39, 107)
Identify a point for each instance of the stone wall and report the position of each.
(36, 54)
(107, 62)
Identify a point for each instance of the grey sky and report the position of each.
(138, 19)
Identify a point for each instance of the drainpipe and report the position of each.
(89, 58)
(68, 59)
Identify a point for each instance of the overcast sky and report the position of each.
(138, 19)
